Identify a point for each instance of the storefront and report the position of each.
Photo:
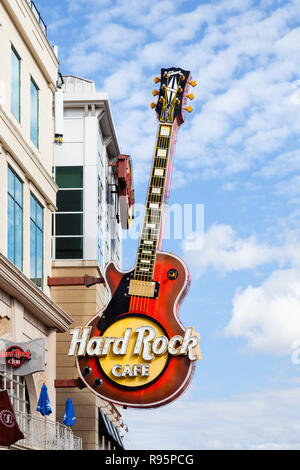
(29, 322)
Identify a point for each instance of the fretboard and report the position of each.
(155, 197)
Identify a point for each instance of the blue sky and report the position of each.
(238, 154)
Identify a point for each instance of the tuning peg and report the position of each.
(193, 83)
(190, 96)
(155, 92)
(156, 79)
(152, 105)
(189, 109)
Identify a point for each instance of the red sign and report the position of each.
(15, 356)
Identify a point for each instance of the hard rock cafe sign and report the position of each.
(133, 356)
(24, 358)
(136, 352)
(15, 356)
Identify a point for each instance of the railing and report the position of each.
(41, 433)
(38, 16)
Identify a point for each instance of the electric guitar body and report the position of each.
(169, 374)
(140, 354)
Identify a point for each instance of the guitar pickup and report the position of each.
(148, 289)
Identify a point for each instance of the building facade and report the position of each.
(86, 224)
(94, 203)
(28, 80)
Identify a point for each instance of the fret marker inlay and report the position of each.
(165, 131)
(155, 190)
(162, 153)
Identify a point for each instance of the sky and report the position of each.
(237, 161)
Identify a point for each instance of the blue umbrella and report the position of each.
(44, 403)
(69, 416)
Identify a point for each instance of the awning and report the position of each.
(106, 427)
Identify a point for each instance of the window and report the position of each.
(34, 113)
(15, 83)
(100, 191)
(36, 242)
(68, 220)
(14, 219)
(69, 176)
(16, 389)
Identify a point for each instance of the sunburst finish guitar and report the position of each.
(136, 352)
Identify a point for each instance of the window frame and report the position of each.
(15, 53)
(36, 254)
(15, 202)
(81, 212)
(16, 388)
(34, 84)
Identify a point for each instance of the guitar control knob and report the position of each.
(87, 371)
(172, 274)
(98, 382)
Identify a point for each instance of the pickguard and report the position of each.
(119, 303)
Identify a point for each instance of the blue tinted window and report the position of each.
(34, 113)
(14, 219)
(15, 84)
(36, 242)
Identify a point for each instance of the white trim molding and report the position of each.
(18, 286)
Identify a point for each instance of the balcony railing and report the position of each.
(43, 434)
(38, 16)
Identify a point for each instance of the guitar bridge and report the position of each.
(147, 289)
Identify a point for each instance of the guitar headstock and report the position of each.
(172, 95)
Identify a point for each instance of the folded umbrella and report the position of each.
(9, 429)
(69, 416)
(44, 403)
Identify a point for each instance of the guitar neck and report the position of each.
(157, 196)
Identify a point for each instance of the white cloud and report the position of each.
(223, 251)
(289, 187)
(285, 163)
(266, 420)
(267, 316)
(244, 58)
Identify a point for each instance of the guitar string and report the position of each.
(163, 142)
(146, 221)
(137, 273)
(149, 221)
(164, 164)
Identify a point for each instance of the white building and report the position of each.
(87, 224)
(28, 75)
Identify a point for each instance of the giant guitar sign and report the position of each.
(136, 352)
